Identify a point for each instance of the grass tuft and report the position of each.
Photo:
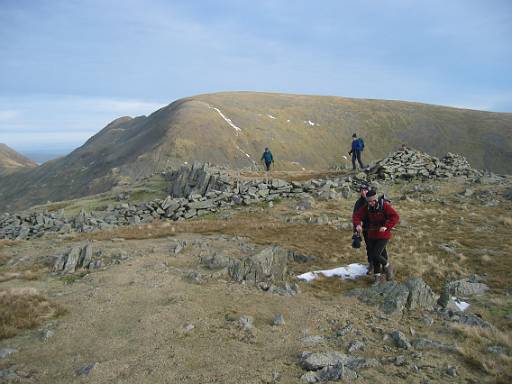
(24, 308)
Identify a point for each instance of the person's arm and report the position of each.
(392, 217)
(357, 218)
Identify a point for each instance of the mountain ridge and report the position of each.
(12, 161)
(232, 128)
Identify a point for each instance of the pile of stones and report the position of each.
(413, 164)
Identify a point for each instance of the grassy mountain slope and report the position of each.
(309, 132)
(11, 161)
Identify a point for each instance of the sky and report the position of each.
(69, 67)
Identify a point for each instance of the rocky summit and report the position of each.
(191, 275)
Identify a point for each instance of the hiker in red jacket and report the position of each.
(380, 218)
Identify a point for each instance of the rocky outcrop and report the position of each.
(331, 366)
(76, 258)
(393, 297)
(466, 287)
(268, 270)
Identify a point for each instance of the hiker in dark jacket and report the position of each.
(356, 150)
(267, 158)
(380, 217)
(360, 203)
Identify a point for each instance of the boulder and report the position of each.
(268, 266)
(393, 298)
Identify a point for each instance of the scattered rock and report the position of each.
(451, 371)
(344, 330)
(85, 370)
(278, 320)
(400, 361)
(355, 345)
(47, 334)
(400, 340)
(427, 344)
(246, 322)
(466, 288)
(4, 352)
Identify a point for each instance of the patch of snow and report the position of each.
(351, 271)
(185, 162)
(462, 305)
(272, 117)
(345, 157)
(237, 129)
(287, 121)
(311, 123)
(245, 153)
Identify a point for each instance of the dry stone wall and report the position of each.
(200, 189)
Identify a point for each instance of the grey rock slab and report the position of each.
(427, 344)
(318, 360)
(4, 352)
(400, 340)
(465, 288)
(344, 330)
(310, 377)
(267, 266)
(86, 255)
(72, 260)
(393, 297)
(420, 296)
(338, 372)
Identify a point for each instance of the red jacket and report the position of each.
(385, 217)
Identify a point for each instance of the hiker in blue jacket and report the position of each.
(355, 151)
(267, 158)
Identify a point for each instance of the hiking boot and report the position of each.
(390, 274)
(370, 269)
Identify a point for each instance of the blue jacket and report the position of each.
(357, 145)
(267, 156)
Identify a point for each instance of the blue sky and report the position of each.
(67, 68)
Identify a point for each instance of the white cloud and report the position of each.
(8, 115)
(38, 121)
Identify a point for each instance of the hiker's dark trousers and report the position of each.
(268, 164)
(377, 254)
(356, 155)
(384, 252)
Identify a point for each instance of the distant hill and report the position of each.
(311, 132)
(11, 161)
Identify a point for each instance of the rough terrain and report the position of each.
(165, 302)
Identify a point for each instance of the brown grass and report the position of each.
(22, 308)
(22, 275)
(473, 344)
